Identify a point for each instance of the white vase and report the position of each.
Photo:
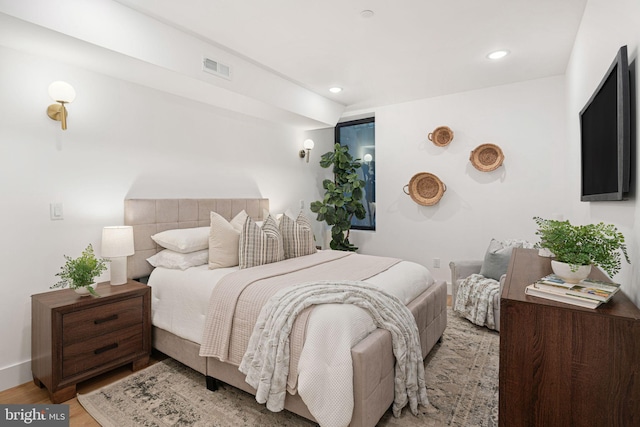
(563, 270)
(83, 290)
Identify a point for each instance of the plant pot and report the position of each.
(563, 270)
(83, 290)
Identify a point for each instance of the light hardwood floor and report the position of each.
(29, 393)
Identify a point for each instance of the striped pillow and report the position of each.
(260, 246)
(297, 236)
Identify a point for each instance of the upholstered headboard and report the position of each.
(151, 216)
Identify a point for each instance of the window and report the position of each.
(359, 136)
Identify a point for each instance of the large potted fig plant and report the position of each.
(342, 196)
(580, 246)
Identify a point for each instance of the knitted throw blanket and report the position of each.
(266, 361)
(475, 300)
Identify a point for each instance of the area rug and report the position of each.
(461, 373)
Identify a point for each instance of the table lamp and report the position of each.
(117, 245)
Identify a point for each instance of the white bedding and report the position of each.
(325, 376)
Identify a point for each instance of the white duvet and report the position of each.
(325, 376)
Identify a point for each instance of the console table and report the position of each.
(564, 365)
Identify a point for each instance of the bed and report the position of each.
(372, 356)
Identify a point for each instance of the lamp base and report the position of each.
(118, 270)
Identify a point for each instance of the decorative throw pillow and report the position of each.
(496, 259)
(175, 260)
(260, 245)
(297, 236)
(224, 237)
(183, 240)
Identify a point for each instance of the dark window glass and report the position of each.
(359, 136)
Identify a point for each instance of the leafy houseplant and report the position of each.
(80, 273)
(342, 196)
(598, 244)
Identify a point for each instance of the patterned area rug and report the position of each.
(461, 376)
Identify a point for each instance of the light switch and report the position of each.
(56, 211)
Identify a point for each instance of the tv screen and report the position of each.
(605, 135)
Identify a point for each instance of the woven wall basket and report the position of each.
(441, 136)
(487, 157)
(425, 189)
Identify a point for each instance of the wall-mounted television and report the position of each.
(605, 135)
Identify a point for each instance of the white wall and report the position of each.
(606, 25)
(97, 35)
(124, 140)
(525, 120)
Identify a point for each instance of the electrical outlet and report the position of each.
(436, 263)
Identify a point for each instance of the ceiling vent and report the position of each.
(214, 67)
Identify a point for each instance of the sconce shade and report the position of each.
(308, 146)
(62, 92)
(117, 241)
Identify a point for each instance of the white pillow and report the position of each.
(177, 261)
(183, 240)
(223, 240)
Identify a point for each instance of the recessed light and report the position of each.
(498, 54)
(335, 89)
(367, 13)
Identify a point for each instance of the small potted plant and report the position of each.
(79, 274)
(580, 246)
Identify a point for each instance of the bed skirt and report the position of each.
(373, 360)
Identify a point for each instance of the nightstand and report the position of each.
(74, 338)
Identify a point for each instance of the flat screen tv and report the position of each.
(605, 135)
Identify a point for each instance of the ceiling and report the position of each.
(408, 49)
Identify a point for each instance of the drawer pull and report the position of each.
(106, 348)
(106, 319)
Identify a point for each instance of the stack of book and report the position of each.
(586, 293)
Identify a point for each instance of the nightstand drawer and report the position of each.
(92, 322)
(94, 352)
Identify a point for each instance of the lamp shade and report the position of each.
(117, 241)
(308, 144)
(62, 92)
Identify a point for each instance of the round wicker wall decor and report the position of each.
(425, 189)
(441, 136)
(487, 157)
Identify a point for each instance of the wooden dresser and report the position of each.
(74, 338)
(563, 365)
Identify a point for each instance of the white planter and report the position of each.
(563, 270)
(83, 290)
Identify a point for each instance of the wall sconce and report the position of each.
(308, 146)
(63, 93)
(117, 245)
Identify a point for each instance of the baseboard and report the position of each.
(14, 375)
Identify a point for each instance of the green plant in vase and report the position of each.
(583, 245)
(342, 196)
(80, 273)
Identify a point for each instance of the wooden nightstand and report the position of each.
(74, 338)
